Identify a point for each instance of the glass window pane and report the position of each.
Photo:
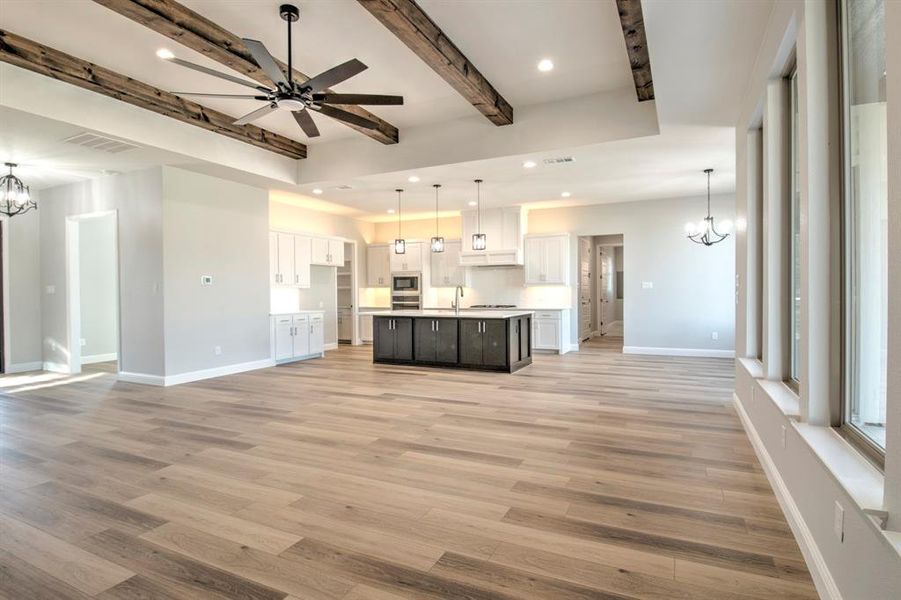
(795, 232)
(865, 216)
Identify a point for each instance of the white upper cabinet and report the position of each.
(302, 249)
(281, 258)
(273, 259)
(378, 269)
(547, 259)
(446, 268)
(503, 229)
(327, 252)
(411, 260)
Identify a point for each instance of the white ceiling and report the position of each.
(700, 53)
(584, 40)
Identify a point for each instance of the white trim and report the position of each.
(23, 367)
(570, 348)
(4, 234)
(195, 375)
(56, 367)
(816, 564)
(142, 378)
(96, 358)
(330, 346)
(699, 352)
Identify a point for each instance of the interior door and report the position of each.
(606, 296)
(585, 281)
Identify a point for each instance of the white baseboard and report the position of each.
(24, 367)
(700, 352)
(331, 346)
(97, 358)
(195, 375)
(816, 564)
(56, 367)
(142, 378)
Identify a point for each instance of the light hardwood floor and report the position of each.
(589, 475)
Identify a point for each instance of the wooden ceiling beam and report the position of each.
(406, 20)
(632, 21)
(27, 54)
(194, 31)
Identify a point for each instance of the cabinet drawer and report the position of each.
(547, 315)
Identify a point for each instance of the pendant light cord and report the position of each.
(479, 202)
(399, 192)
(436, 186)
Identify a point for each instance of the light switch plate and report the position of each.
(838, 524)
(715, 335)
(217, 350)
(647, 285)
(51, 289)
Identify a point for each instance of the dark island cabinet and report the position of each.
(493, 344)
(393, 338)
(435, 340)
(484, 342)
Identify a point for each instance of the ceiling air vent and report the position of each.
(99, 143)
(344, 187)
(560, 160)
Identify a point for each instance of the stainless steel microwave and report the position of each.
(406, 283)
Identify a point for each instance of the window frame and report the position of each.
(793, 331)
(863, 443)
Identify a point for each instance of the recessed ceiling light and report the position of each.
(566, 194)
(390, 211)
(317, 191)
(472, 202)
(412, 178)
(545, 65)
(529, 164)
(165, 54)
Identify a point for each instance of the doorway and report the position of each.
(92, 277)
(585, 289)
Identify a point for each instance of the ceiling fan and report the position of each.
(299, 98)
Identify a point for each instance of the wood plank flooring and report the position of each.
(589, 475)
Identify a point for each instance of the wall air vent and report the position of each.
(560, 160)
(99, 143)
(344, 187)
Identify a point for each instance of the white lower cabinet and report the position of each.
(550, 330)
(297, 336)
(366, 329)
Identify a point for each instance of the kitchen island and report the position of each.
(487, 341)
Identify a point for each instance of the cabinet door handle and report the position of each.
(296, 278)
(436, 325)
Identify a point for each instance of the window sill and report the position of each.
(753, 366)
(782, 396)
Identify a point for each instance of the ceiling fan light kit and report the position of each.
(298, 97)
(705, 232)
(15, 196)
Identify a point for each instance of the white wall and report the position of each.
(99, 287)
(693, 285)
(137, 198)
(811, 466)
(24, 290)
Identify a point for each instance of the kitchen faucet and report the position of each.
(456, 303)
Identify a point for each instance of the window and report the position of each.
(794, 233)
(864, 221)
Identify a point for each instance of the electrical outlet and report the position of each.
(217, 350)
(647, 285)
(783, 436)
(84, 342)
(715, 335)
(51, 289)
(838, 523)
(206, 280)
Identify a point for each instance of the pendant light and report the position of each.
(479, 240)
(400, 246)
(15, 196)
(705, 232)
(437, 241)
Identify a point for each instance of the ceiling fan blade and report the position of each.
(253, 116)
(347, 117)
(369, 99)
(335, 75)
(215, 73)
(265, 60)
(306, 123)
(202, 95)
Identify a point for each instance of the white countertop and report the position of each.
(464, 314)
(297, 312)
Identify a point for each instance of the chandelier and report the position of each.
(15, 197)
(705, 232)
